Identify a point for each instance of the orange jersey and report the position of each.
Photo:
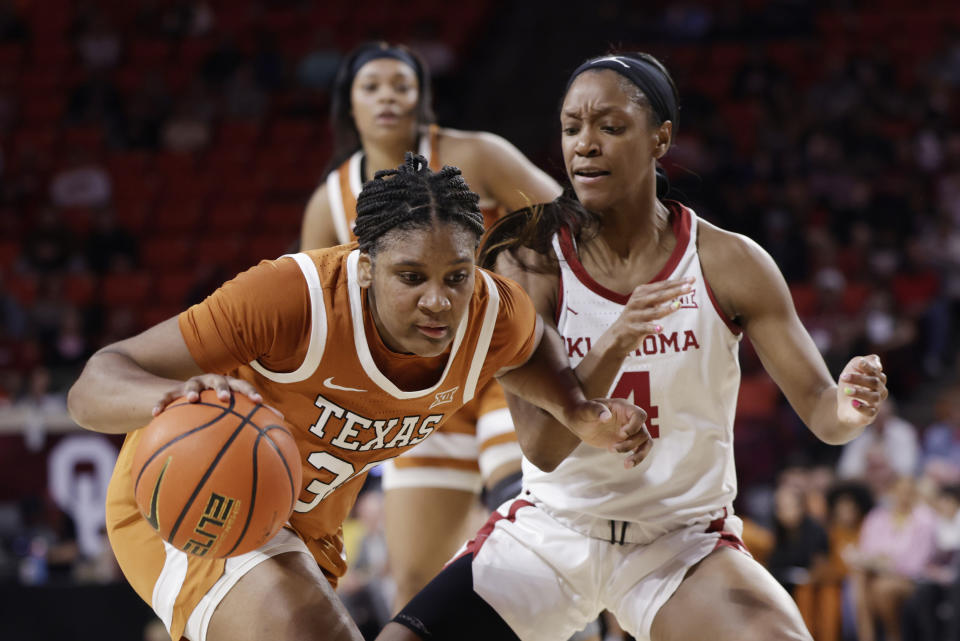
(345, 182)
(297, 329)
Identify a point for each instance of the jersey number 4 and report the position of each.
(635, 387)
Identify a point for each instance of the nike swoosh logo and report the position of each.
(152, 517)
(329, 383)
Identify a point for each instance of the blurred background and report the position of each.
(150, 149)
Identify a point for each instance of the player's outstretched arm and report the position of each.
(127, 383)
(555, 416)
(751, 290)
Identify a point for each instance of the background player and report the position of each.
(650, 302)
(427, 330)
(381, 109)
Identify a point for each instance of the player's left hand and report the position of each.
(860, 391)
(614, 424)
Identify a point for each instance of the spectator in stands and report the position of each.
(318, 66)
(897, 541)
(83, 182)
(941, 440)
(933, 612)
(849, 502)
(13, 318)
(98, 44)
(147, 109)
(48, 308)
(110, 247)
(70, 348)
(222, 61)
(366, 588)
(833, 330)
(242, 97)
(885, 451)
(48, 246)
(97, 101)
(37, 404)
(189, 128)
(800, 543)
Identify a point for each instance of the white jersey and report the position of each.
(686, 378)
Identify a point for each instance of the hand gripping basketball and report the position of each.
(216, 478)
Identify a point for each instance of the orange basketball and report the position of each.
(215, 478)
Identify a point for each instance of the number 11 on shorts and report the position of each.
(635, 387)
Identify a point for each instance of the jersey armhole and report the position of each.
(318, 328)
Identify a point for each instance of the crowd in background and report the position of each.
(827, 132)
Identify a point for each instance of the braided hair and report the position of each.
(412, 196)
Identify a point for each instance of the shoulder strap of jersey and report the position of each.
(483, 341)
(342, 190)
(430, 146)
(318, 329)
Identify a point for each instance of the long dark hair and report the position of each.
(346, 138)
(533, 228)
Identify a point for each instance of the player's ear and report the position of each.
(662, 139)
(364, 270)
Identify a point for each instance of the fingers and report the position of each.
(638, 454)
(660, 297)
(864, 384)
(165, 400)
(245, 388)
(224, 386)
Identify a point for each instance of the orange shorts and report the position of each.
(184, 589)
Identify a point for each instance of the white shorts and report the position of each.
(548, 581)
(236, 567)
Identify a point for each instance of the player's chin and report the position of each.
(429, 347)
(593, 198)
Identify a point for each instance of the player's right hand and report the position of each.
(648, 303)
(614, 424)
(224, 386)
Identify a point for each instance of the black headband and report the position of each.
(648, 77)
(385, 52)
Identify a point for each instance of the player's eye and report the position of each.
(456, 279)
(411, 278)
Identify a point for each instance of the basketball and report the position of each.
(216, 478)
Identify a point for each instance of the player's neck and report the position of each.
(635, 231)
(385, 155)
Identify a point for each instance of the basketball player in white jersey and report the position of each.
(648, 302)
(381, 108)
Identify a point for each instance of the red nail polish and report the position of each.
(856, 403)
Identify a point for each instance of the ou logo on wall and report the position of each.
(83, 493)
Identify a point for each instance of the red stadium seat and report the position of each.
(232, 216)
(163, 253)
(171, 287)
(282, 217)
(223, 251)
(176, 216)
(263, 247)
(80, 288)
(128, 288)
(9, 252)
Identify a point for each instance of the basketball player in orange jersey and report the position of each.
(381, 109)
(365, 351)
(651, 302)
